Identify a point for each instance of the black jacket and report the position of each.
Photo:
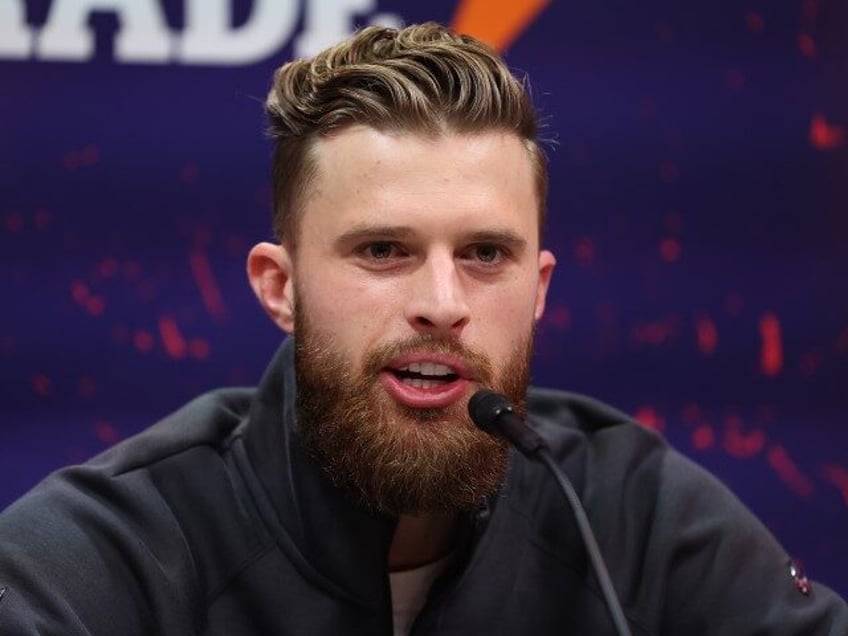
(215, 522)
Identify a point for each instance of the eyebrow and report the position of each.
(502, 237)
(384, 232)
(365, 232)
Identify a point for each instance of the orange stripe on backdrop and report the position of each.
(497, 22)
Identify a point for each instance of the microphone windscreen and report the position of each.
(486, 406)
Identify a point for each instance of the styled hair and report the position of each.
(423, 79)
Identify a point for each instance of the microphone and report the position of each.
(493, 413)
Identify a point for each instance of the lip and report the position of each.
(438, 396)
(417, 398)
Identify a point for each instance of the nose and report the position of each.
(437, 304)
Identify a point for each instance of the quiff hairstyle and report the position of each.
(423, 79)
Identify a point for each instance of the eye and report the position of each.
(381, 254)
(487, 253)
(380, 251)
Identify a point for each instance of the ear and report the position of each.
(270, 271)
(547, 261)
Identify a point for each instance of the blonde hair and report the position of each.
(423, 79)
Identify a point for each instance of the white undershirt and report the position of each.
(409, 592)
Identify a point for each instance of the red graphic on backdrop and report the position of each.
(755, 21)
(648, 416)
(210, 292)
(789, 472)
(172, 337)
(807, 45)
(838, 476)
(771, 352)
(84, 158)
(15, 222)
(707, 335)
(824, 135)
(143, 341)
(670, 249)
(703, 437)
(740, 443)
(106, 433)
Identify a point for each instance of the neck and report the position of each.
(419, 540)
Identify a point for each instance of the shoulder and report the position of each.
(686, 555)
(135, 525)
(627, 472)
(606, 440)
(203, 427)
(207, 422)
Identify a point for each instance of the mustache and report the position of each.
(476, 361)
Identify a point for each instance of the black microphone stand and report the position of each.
(494, 413)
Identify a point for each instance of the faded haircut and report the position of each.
(423, 79)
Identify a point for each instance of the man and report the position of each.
(350, 493)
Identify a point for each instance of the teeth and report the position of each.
(420, 383)
(428, 368)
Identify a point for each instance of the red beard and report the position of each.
(393, 458)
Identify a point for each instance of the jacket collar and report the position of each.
(345, 543)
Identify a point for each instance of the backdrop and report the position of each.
(698, 211)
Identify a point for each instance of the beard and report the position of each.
(393, 458)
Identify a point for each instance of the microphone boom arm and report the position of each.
(493, 413)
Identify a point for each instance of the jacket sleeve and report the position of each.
(724, 571)
(86, 554)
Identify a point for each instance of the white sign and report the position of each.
(208, 37)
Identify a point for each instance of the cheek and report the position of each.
(505, 318)
(344, 306)
(513, 302)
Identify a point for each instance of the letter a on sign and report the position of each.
(143, 34)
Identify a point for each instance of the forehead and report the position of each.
(363, 174)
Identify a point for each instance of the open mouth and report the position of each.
(425, 380)
(425, 375)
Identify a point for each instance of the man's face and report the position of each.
(417, 278)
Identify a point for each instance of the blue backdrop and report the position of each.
(698, 211)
